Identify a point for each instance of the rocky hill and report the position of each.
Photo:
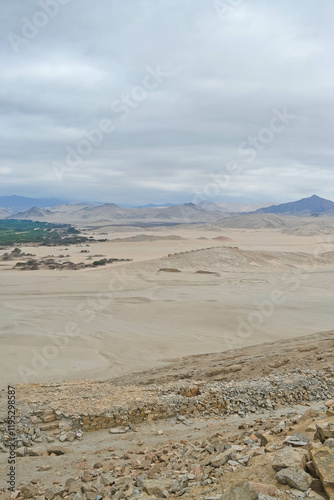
(314, 205)
(261, 221)
(249, 424)
(3, 213)
(82, 214)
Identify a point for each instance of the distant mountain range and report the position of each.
(152, 205)
(314, 205)
(17, 203)
(51, 210)
(109, 213)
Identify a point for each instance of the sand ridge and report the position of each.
(128, 317)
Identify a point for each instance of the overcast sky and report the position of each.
(138, 101)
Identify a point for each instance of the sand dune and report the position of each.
(147, 238)
(131, 317)
(233, 259)
(312, 229)
(222, 238)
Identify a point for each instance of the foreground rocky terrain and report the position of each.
(242, 425)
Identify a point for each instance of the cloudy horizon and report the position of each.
(155, 101)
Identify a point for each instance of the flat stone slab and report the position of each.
(323, 460)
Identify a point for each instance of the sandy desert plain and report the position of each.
(182, 370)
(263, 278)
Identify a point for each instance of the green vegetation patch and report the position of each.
(13, 232)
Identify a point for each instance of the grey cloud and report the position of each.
(226, 74)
